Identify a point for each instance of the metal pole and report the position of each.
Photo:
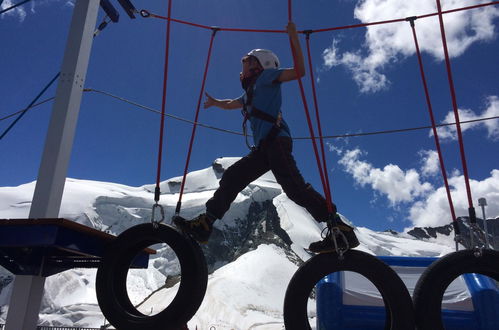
(483, 202)
(28, 290)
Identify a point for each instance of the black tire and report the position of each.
(432, 284)
(112, 273)
(397, 300)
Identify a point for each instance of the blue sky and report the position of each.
(367, 80)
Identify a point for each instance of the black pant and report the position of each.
(275, 156)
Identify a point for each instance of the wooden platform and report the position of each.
(48, 246)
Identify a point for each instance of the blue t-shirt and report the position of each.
(267, 98)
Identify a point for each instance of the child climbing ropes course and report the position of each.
(261, 79)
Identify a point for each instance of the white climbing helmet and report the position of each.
(267, 59)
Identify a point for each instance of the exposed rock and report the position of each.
(464, 227)
(261, 226)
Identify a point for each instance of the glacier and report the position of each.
(254, 251)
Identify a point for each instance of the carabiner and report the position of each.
(336, 232)
(162, 212)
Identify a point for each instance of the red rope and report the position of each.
(191, 143)
(405, 19)
(163, 105)
(326, 29)
(325, 184)
(319, 126)
(220, 29)
(322, 170)
(433, 124)
(312, 135)
(454, 105)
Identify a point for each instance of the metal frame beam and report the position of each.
(27, 293)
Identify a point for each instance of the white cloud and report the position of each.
(19, 11)
(426, 205)
(434, 210)
(492, 126)
(364, 73)
(431, 164)
(388, 43)
(22, 11)
(397, 185)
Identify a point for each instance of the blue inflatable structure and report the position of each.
(349, 301)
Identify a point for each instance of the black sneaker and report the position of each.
(345, 239)
(198, 228)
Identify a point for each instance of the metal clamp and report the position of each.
(215, 29)
(307, 33)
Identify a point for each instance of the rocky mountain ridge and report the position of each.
(464, 226)
(263, 232)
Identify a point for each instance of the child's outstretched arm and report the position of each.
(299, 69)
(227, 104)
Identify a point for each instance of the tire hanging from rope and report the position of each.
(112, 273)
(399, 310)
(431, 286)
(398, 302)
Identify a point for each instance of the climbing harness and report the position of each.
(256, 113)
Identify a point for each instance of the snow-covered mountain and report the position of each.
(253, 253)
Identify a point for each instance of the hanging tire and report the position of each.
(112, 273)
(432, 284)
(397, 300)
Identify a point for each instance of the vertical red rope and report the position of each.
(325, 184)
(455, 108)
(163, 104)
(195, 121)
(319, 126)
(433, 125)
(312, 135)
